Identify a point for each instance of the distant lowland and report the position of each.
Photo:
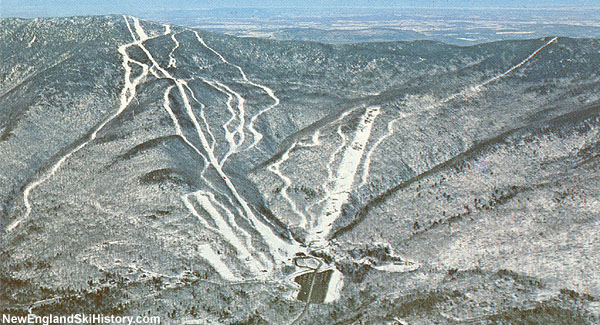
(460, 26)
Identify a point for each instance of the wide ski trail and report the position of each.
(280, 249)
(346, 174)
(466, 93)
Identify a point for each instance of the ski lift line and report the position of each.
(135, 40)
(275, 169)
(330, 173)
(467, 92)
(194, 212)
(366, 166)
(516, 66)
(222, 230)
(178, 129)
(226, 231)
(206, 164)
(333, 156)
(179, 132)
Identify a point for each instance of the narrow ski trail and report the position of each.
(236, 138)
(203, 117)
(127, 94)
(257, 136)
(466, 93)
(332, 158)
(206, 251)
(275, 168)
(172, 60)
(280, 249)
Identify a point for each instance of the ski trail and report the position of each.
(127, 94)
(281, 249)
(217, 263)
(179, 132)
(257, 136)
(206, 200)
(346, 173)
(188, 204)
(31, 42)
(238, 133)
(203, 117)
(230, 218)
(330, 173)
(207, 252)
(287, 182)
(335, 153)
(178, 129)
(133, 35)
(172, 60)
(275, 168)
(332, 157)
(315, 140)
(139, 30)
(468, 92)
(230, 137)
(228, 104)
(339, 148)
(367, 162)
(516, 66)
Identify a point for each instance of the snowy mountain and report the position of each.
(156, 169)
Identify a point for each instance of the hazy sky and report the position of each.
(33, 8)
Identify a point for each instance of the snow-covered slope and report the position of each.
(204, 173)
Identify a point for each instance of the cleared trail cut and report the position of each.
(465, 93)
(127, 94)
(256, 263)
(346, 174)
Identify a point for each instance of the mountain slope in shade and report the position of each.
(149, 168)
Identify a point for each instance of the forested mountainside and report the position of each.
(149, 169)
